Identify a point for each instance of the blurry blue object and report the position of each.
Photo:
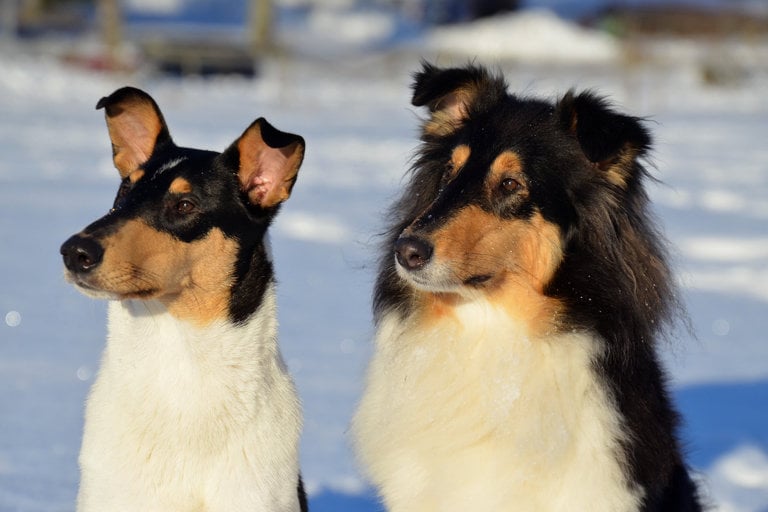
(204, 37)
(204, 12)
(331, 501)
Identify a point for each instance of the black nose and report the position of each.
(81, 254)
(412, 253)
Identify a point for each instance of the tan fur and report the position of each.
(459, 157)
(136, 176)
(133, 128)
(141, 262)
(180, 186)
(507, 162)
(618, 169)
(450, 111)
(520, 256)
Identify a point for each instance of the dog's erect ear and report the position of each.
(450, 94)
(136, 127)
(268, 161)
(612, 141)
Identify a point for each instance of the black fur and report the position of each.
(583, 162)
(303, 505)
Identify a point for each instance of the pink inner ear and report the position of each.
(134, 139)
(266, 173)
(270, 170)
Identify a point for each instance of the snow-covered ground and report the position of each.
(56, 176)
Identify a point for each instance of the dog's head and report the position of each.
(507, 193)
(186, 224)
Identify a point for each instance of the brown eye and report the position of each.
(185, 206)
(510, 185)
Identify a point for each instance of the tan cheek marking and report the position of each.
(208, 280)
(521, 255)
(539, 252)
(457, 242)
(193, 280)
(139, 261)
(180, 186)
(136, 175)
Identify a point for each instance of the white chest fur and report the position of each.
(473, 414)
(184, 418)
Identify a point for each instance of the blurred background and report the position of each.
(233, 36)
(338, 72)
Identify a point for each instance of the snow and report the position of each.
(530, 36)
(56, 176)
(351, 27)
(161, 7)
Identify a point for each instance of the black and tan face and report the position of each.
(498, 185)
(483, 235)
(481, 232)
(186, 223)
(167, 238)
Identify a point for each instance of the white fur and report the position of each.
(472, 413)
(183, 418)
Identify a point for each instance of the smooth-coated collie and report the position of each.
(192, 409)
(522, 291)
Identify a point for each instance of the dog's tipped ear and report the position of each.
(610, 140)
(268, 161)
(451, 94)
(136, 127)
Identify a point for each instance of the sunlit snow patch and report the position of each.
(312, 227)
(531, 36)
(740, 479)
(725, 249)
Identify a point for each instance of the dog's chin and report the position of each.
(441, 281)
(96, 293)
(88, 289)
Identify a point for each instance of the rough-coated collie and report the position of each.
(522, 292)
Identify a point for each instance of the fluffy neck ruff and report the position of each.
(472, 412)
